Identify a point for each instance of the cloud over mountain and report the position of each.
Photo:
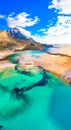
(57, 31)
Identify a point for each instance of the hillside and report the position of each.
(13, 40)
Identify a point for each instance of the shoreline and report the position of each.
(55, 64)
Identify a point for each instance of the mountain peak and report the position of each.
(14, 40)
(14, 30)
(16, 34)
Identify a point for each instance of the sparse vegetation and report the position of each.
(8, 42)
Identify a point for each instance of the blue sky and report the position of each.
(46, 21)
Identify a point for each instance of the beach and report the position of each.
(57, 64)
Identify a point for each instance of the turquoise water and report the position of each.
(44, 106)
(33, 100)
(33, 53)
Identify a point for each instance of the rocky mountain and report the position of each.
(16, 34)
(13, 40)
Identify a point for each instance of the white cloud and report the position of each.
(2, 16)
(22, 19)
(62, 39)
(42, 30)
(63, 6)
(25, 32)
(58, 34)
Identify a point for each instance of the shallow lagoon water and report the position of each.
(44, 106)
(13, 58)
